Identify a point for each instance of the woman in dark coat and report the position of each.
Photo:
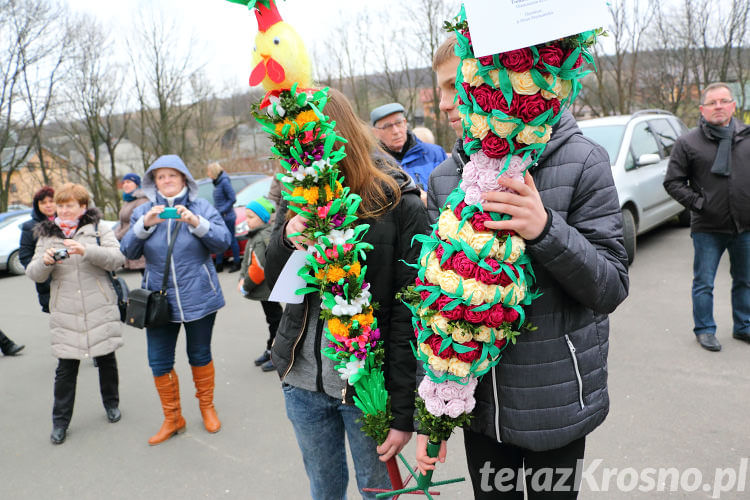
(44, 209)
(224, 199)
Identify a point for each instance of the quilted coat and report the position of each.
(551, 387)
(84, 318)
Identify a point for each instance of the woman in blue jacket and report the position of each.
(224, 200)
(193, 287)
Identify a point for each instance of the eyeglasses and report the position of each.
(714, 104)
(397, 124)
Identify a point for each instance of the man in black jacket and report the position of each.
(709, 173)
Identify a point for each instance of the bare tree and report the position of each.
(93, 119)
(35, 38)
(427, 17)
(164, 66)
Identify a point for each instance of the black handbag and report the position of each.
(150, 308)
(119, 284)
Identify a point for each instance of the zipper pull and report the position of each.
(570, 344)
(343, 396)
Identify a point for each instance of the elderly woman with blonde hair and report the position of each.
(77, 252)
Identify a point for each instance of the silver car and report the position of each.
(10, 239)
(639, 146)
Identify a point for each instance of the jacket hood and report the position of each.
(561, 133)
(47, 228)
(168, 161)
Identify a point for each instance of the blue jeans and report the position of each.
(709, 248)
(161, 342)
(320, 423)
(231, 223)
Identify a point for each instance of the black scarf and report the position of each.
(723, 161)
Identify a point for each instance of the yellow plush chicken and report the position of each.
(279, 57)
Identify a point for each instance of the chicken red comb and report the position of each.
(267, 16)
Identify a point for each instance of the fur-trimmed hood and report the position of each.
(48, 228)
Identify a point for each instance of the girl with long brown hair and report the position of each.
(318, 402)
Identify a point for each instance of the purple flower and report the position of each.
(337, 289)
(375, 335)
(337, 220)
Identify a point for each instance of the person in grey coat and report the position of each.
(536, 407)
(193, 290)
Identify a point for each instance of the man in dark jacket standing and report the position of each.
(709, 173)
(536, 407)
(44, 209)
(417, 158)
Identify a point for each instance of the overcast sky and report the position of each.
(225, 31)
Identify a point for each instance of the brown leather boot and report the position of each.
(203, 376)
(168, 387)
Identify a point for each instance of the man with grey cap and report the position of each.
(417, 158)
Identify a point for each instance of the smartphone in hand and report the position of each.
(169, 213)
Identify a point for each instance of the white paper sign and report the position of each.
(288, 280)
(502, 25)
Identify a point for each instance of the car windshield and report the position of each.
(253, 191)
(609, 136)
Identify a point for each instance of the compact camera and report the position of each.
(60, 254)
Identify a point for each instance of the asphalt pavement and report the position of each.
(674, 406)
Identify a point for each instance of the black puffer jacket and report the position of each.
(26, 252)
(551, 387)
(719, 204)
(391, 236)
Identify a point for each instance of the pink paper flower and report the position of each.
(471, 172)
(488, 180)
(473, 194)
(448, 390)
(435, 406)
(455, 408)
(427, 388)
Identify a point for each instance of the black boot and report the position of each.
(219, 267)
(263, 358)
(236, 266)
(8, 347)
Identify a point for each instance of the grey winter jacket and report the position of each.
(551, 387)
(84, 318)
(193, 287)
(718, 204)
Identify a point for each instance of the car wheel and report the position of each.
(629, 232)
(683, 218)
(14, 264)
